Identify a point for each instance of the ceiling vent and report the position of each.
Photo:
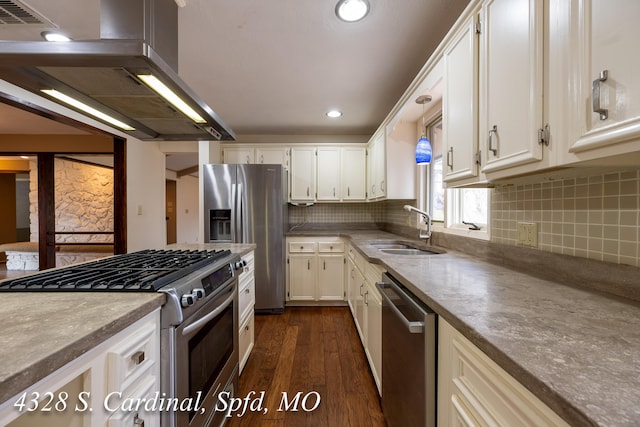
(13, 12)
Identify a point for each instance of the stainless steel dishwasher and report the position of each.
(408, 357)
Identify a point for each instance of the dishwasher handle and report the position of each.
(412, 327)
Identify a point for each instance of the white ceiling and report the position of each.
(277, 67)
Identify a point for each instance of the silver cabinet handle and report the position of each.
(493, 131)
(138, 357)
(366, 298)
(334, 191)
(382, 185)
(137, 421)
(604, 113)
(361, 289)
(248, 159)
(348, 191)
(324, 265)
(307, 191)
(450, 158)
(308, 264)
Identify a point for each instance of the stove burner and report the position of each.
(143, 271)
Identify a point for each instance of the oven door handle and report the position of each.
(197, 325)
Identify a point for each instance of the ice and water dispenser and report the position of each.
(220, 225)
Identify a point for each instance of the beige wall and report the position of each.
(593, 216)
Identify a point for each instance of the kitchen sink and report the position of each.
(405, 248)
(409, 251)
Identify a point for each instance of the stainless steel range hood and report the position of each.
(136, 37)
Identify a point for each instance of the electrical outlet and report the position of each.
(527, 234)
(139, 209)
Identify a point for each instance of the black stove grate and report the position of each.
(143, 271)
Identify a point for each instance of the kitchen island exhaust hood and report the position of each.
(138, 38)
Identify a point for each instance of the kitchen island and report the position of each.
(44, 332)
(575, 349)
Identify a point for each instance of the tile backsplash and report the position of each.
(595, 217)
(389, 211)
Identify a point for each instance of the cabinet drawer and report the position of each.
(246, 299)
(359, 261)
(331, 247)
(141, 417)
(246, 340)
(248, 269)
(128, 361)
(297, 247)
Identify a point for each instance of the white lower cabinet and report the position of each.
(88, 390)
(316, 269)
(246, 304)
(474, 391)
(365, 303)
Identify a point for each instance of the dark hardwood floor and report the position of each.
(309, 349)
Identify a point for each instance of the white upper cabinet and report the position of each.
(273, 156)
(354, 171)
(376, 166)
(460, 104)
(328, 173)
(511, 82)
(605, 110)
(233, 155)
(303, 174)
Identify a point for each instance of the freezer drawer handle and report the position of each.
(412, 327)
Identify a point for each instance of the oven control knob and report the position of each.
(198, 293)
(240, 264)
(187, 300)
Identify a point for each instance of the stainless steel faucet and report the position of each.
(427, 220)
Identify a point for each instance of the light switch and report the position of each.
(527, 234)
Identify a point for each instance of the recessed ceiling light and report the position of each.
(334, 114)
(352, 10)
(54, 36)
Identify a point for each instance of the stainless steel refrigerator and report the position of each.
(248, 204)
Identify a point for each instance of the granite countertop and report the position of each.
(41, 332)
(575, 349)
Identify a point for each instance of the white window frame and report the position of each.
(452, 223)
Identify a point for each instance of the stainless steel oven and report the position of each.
(206, 358)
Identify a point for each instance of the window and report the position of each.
(455, 206)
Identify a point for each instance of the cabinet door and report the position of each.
(303, 173)
(331, 277)
(511, 82)
(373, 303)
(302, 277)
(607, 35)
(328, 172)
(376, 167)
(273, 156)
(233, 155)
(354, 173)
(359, 291)
(460, 104)
(352, 286)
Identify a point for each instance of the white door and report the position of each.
(302, 277)
(273, 156)
(303, 174)
(354, 173)
(460, 104)
(331, 277)
(328, 172)
(511, 82)
(236, 155)
(607, 106)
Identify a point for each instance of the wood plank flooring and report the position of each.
(310, 349)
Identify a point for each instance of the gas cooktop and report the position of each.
(143, 271)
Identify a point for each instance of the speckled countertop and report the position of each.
(576, 350)
(41, 332)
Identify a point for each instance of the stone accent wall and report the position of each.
(83, 201)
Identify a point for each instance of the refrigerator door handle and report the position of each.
(239, 217)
